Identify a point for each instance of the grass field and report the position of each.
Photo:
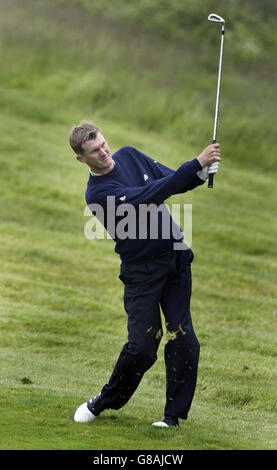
(62, 318)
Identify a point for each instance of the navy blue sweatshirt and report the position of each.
(137, 179)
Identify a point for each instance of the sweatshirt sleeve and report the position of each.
(157, 169)
(159, 190)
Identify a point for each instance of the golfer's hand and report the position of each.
(210, 154)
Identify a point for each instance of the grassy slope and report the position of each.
(61, 301)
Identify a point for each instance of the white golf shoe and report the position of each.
(166, 422)
(83, 415)
(85, 412)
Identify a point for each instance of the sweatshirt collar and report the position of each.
(97, 174)
(94, 174)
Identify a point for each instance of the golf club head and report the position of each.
(216, 18)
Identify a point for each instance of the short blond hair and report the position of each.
(80, 133)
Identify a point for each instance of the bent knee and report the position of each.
(144, 355)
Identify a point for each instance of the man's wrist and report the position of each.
(200, 162)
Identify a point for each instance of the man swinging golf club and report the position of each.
(155, 274)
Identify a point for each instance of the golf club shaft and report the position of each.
(211, 175)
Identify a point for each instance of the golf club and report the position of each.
(217, 19)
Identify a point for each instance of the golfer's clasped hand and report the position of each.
(209, 159)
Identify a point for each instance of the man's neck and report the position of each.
(98, 172)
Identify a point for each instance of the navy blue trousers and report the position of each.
(150, 285)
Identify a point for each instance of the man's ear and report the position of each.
(80, 158)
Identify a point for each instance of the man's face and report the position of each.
(97, 155)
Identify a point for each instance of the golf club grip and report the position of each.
(211, 180)
(211, 175)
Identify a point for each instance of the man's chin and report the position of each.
(106, 164)
(107, 161)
